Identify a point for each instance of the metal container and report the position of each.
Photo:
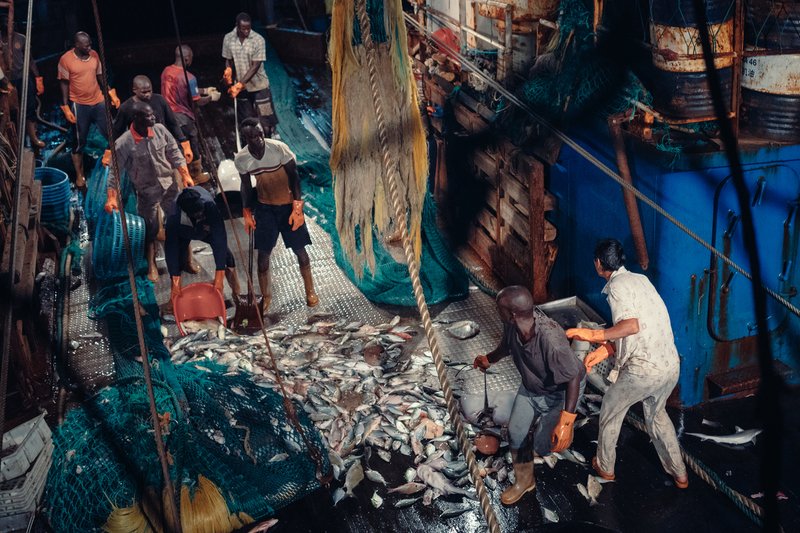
(524, 10)
(771, 84)
(679, 82)
(683, 13)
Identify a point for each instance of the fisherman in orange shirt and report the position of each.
(83, 104)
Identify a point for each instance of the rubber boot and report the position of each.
(312, 300)
(152, 269)
(188, 263)
(265, 282)
(36, 143)
(80, 179)
(196, 172)
(233, 282)
(524, 480)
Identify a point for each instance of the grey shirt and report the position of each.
(546, 362)
(149, 161)
(243, 54)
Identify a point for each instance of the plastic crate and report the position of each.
(21, 495)
(28, 439)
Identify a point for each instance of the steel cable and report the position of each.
(598, 164)
(391, 175)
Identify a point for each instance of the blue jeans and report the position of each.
(542, 410)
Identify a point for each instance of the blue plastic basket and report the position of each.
(55, 194)
(109, 260)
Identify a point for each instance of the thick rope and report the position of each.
(391, 175)
(313, 451)
(602, 167)
(170, 511)
(753, 511)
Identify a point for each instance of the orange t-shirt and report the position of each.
(82, 77)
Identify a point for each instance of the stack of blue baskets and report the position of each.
(109, 260)
(95, 195)
(55, 196)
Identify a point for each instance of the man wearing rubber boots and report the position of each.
(196, 217)
(275, 207)
(552, 381)
(646, 367)
(149, 154)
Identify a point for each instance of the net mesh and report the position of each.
(221, 426)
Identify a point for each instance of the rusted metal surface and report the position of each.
(524, 10)
(770, 116)
(772, 24)
(686, 96)
(778, 74)
(631, 207)
(743, 379)
(679, 49)
(683, 13)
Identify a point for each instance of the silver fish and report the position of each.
(464, 329)
(376, 500)
(593, 487)
(408, 488)
(454, 510)
(338, 495)
(354, 476)
(375, 477)
(400, 504)
(742, 436)
(549, 516)
(437, 481)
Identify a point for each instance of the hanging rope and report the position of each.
(314, 452)
(602, 167)
(390, 177)
(171, 510)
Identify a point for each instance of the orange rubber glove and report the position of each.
(106, 160)
(68, 114)
(227, 75)
(219, 276)
(481, 362)
(187, 152)
(585, 334)
(296, 218)
(235, 89)
(187, 179)
(561, 438)
(598, 355)
(112, 93)
(249, 221)
(176, 287)
(39, 85)
(112, 202)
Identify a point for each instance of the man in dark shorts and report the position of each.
(197, 217)
(245, 52)
(275, 206)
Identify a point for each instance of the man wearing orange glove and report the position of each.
(552, 382)
(149, 154)
(245, 52)
(196, 217)
(646, 367)
(15, 75)
(275, 207)
(82, 101)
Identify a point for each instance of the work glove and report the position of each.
(187, 179)
(112, 202)
(68, 114)
(227, 75)
(481, 362)
(585, 334)
(296, 218)
(249, 221)
(600, 354)
(112, 93)
(235, 89)
(39, 85)
(213, 93)
(219, 276)
(106, 159)
(187, 152)
(176, 287)
(561, 438)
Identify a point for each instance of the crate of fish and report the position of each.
(22, 445)
(21, 495)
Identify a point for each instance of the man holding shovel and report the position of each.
(552, 381)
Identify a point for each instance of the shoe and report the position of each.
(80, 182)
(681, 484)
(600, 472)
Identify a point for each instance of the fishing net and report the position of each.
(441, 274)
(216, 426)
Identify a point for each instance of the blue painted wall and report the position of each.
(591, 207)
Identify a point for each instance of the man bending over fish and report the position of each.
(646, 368)
(552, 381)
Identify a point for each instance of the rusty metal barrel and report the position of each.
(771, 83)
(678, 81)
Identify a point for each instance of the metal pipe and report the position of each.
(445, 19)
(509, 46)
(635, 221)
(738, 48)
